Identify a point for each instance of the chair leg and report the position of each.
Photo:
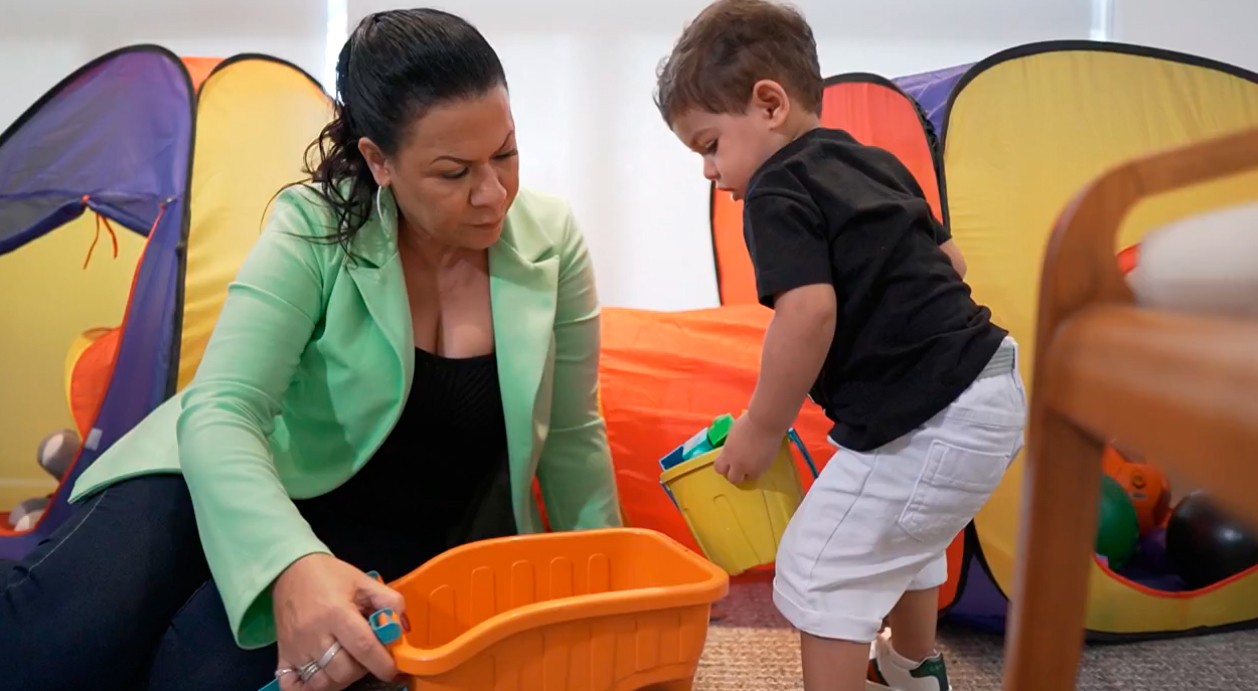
(1044, 643)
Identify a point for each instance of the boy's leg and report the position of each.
(841, 566)
(876, 525)
(833, 665)
(905, 656)
(913, 619)
(913, 627)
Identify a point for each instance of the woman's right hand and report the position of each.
(320, 600)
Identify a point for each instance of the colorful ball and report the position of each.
(1149, 491)
(1117, 528)
(1153, 550)
(1206, 544)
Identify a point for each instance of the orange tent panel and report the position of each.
(199, 69)
(666, 375)
(874, 111)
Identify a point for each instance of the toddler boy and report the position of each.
(872, 320)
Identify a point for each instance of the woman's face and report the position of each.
(456, 171)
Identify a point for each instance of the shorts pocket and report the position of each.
(954, 484)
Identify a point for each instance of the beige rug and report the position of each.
(752, 648)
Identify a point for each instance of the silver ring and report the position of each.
(308, 671)
(286, 670)
(329, 654)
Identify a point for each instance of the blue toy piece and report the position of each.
(674, 457)
(696, 445)
(384, 623)
(704, 446)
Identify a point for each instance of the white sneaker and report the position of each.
(889, 671)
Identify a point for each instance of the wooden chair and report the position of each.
(1180, 388)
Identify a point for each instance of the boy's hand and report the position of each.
(795, 347)
(748, 452)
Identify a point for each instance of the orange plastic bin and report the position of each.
(596, 610)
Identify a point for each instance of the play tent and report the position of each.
(129, 195)
(932, 91)
(1020, 133)
(1024, 131)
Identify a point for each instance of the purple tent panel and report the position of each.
(932, 91)
(980, 604)
(114, 137)
(116, 133)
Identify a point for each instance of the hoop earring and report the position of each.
(379, 208)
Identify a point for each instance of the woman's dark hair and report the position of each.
(393, 68)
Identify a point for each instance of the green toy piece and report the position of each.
(719, 430)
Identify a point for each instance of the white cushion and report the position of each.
(1206, 263)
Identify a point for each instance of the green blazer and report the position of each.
(309, 367)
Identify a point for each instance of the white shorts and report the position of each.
(877, 524)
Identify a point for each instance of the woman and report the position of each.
(410, 343)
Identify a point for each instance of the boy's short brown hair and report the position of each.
(730, 46)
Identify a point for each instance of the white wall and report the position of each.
(43, 42)
(1219, 29)
(582, 77)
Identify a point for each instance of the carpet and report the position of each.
(751, 647)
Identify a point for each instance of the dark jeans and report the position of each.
(120, 597)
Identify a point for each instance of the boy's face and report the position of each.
(733, 145)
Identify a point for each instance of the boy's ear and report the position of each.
(770, 101)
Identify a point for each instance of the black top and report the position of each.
(439, 480)
(909, 338)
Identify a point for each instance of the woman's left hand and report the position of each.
(748, 452)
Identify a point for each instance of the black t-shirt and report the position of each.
(909, 337)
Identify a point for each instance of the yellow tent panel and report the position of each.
(1026, 130)
(255, 117)
(59, 299)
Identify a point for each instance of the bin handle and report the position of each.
(795, 439)
(799, 444)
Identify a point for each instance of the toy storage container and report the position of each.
(597, 610)
(737, 526)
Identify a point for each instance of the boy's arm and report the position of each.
(943, 236)
(954, 253)
(795, 347)
(791, 256)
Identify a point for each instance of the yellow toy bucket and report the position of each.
(737, 526)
